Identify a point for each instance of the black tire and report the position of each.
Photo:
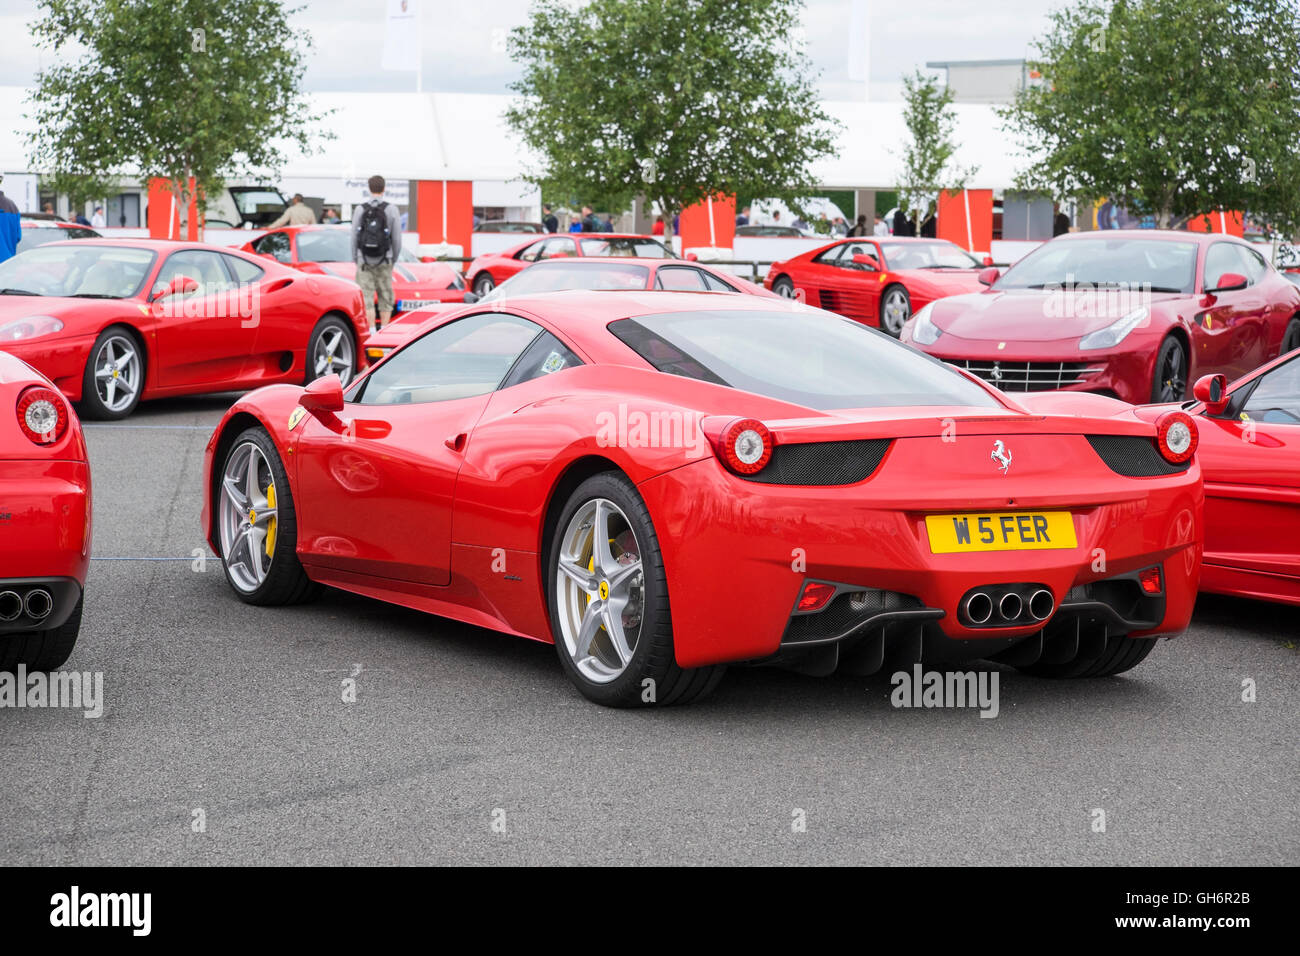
(286, 582)
(784, 287)
(328, 325)
(483, 284)
(1291, 338)
(653, 658)
(1169, 376)
(92, 405)
(894, 327)
(41, 650)
(1120, 654)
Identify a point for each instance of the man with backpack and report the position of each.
(376, 242)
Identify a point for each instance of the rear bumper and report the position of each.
(62, 595)
(738, 557)
(45, 519)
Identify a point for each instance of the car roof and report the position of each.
(1159, 235)
(154, 245)
(581, 308)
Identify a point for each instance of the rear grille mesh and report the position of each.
(1133, 456)
(844, 611)
(823, 463)
(1028, 376)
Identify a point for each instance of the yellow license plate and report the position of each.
(1002, 531)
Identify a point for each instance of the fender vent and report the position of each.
(823, 462)
(1133, 456)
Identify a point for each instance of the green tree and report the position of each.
(1172, 108)
(930, 121)
(675, 100)
(169, 88)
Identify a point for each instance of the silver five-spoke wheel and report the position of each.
(600, 590)
(895, 310)
(117, 372)
(248, 517)
(334, 354)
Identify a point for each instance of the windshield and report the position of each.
(85, 270)
(334, 245)
(558, 275)
(926, 255)
(40, 235)
(810, 358)
(629, 246)
(1153, 265)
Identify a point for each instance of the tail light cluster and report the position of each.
(1176, 437)
(42, 415)
(745, 446)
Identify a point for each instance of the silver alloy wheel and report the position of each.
(895, 311)
(600, 590)
(334, 354)
(117, 372)
(784, 288)
(483, 284)
(249, 516)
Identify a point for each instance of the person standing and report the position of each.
(881, 228)
(11, 229)
(376, 243)
(97, 220)
(658, 228)
(297, 213)
(743, 218)
(549, 222)
(859, 227)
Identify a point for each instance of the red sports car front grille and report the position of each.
(1028, 376)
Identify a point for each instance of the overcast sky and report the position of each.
(463, 49)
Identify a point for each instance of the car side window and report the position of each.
(680, 279)
(856, 249)
(545, 356)
(714, 284)
(464, 358)
(1221, 258)
(530, 253)
(829, 257)
(557, 247)
(1276, 399)
(204, 268)
(275, 244)
(1253, 264)
(245, 272)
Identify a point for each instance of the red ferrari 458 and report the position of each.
(878, 281)
(1136, 314)
(664, 483)
(113, 321)
(1250, 456)
(327, 250)
(44, 520)
(493, 268)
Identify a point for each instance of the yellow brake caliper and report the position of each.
(270, 525)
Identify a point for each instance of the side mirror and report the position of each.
(1212, 392)
(325, 394)
(692, 257)
(470, 298)
(1229, 282)
(180, 285)
(862, 259)
(989, 276)
(988, 260)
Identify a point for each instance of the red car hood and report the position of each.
(944, 281)
(1031, 315)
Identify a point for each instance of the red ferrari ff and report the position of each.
(877, 280)
(114, 321)
(1250, 456)
(597, 275)
(576, 467)
(327, 250)
(493, 268)
(1135, 314)
(44, 520)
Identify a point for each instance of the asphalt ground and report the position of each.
(225, 737)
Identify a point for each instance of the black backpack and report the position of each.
(373, 238)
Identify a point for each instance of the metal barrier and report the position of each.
(752, 264)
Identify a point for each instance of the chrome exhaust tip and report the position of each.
(39, 604)
(978, 608)
(1010, 607)
(11, 605)
(1041, 604)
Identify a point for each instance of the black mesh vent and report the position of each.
(1133, 456)
(844, 611)
(823, 462)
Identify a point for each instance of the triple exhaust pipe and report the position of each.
(1010, 607)
(37, 604)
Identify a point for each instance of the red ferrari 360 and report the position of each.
(879, 281)
(110, 322)
(663, 483)
(327, 250)
(1136, 314)
(44, 520)
(493, 268)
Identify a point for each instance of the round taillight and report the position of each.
(42, 415)
(746, 446)
(1176, 437)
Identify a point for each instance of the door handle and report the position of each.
(456, 442)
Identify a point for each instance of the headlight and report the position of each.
(20, 330)
(1114, 333)
(925, 332)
